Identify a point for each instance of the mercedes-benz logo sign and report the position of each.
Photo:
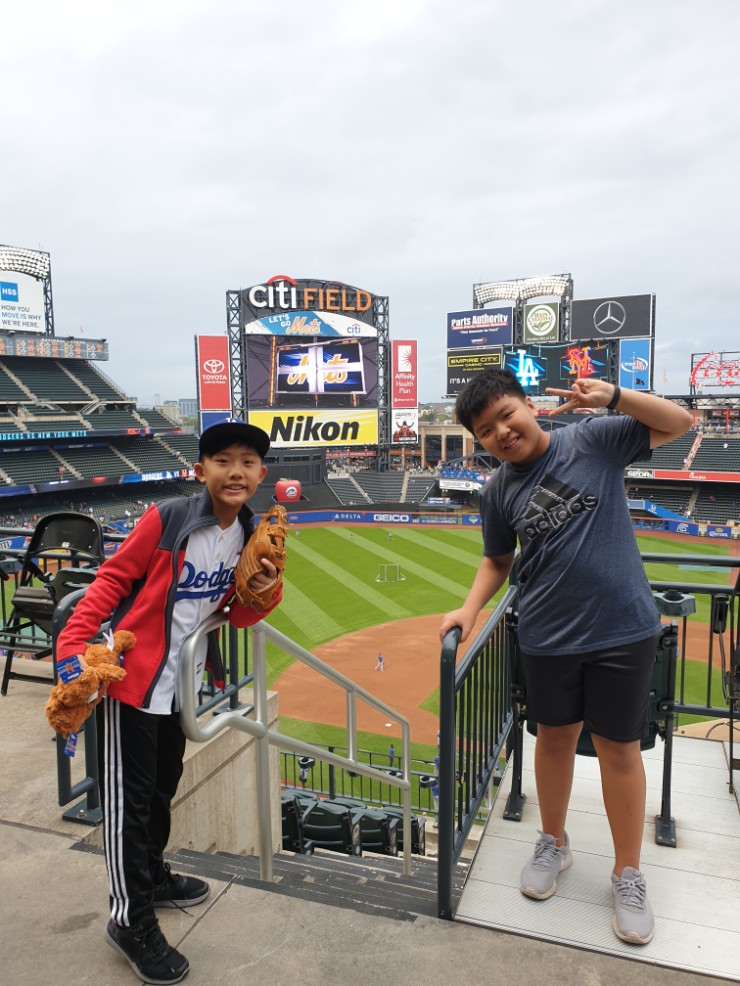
(213, 366)
(609, 318)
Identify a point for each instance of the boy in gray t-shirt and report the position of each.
(587, 619)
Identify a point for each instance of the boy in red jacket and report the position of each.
(173, 570)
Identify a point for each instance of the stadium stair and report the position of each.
(368, 885)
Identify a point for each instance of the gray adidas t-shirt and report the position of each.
(583, 584)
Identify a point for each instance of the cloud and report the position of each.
(165, 153)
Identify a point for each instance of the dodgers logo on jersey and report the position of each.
(204, 585)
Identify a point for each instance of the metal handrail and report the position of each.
(488, 718)
(199, 731)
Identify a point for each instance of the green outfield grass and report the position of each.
(331, 589)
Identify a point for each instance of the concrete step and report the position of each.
(368, 884)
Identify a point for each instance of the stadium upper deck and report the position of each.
(66, 430)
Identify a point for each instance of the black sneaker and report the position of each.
(147, 952)
(179, 891)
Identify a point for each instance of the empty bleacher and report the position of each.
(60, 423)
(185, 445)
(147, 454)
(717, 503)
(46, 379)
(156, 420)
(10, 425)
(718, 455)
(418, 488)
(9, 389)
(346, 491)
(91, 378)
(381, 487)
(30, 466)
(94, 460)
(113, 419)
(670, 456)
(675, 498)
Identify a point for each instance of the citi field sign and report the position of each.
(282, 293)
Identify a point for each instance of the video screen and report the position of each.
(322, 373)
(538, 367)
(331, 367)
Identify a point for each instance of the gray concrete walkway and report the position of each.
(53, 911)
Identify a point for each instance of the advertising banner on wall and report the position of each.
(404, 385)
(21, 303)
(308, 324)
(480, 327)
(613, 318)
(542, 322)
(214, 377)
(462, 366)
(405, 427)
(635, 364)
(338, 427)
(713, 370)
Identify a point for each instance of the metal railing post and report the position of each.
(259, 657)
(447, 773)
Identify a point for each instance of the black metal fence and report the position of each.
(475, 721)
(476, 714)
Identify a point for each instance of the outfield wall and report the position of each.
(400, 517)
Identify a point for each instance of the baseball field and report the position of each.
(335, 607)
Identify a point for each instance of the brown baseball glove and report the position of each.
(267, 541)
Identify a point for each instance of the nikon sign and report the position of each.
(319, 428)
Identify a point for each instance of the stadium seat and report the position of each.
(418, 830)
(333, 827)
(66, 540)
(292, 811)
(378, 832)
(354, 803)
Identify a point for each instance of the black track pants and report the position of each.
(140, 767)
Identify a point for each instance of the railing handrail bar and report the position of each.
(259, 728)
(481, 638)
(698, 588)
(723, 561)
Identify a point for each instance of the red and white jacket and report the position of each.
(136, 590)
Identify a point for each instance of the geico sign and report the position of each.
(392, 518)
(284, 292)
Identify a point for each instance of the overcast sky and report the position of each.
(166, 151)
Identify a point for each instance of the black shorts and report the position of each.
(608, 690)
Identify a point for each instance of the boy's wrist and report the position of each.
(612, 405)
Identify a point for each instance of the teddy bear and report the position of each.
(71, 702)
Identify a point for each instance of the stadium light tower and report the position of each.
(31, 262)
(523, 289)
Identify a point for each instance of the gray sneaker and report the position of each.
(539, 876)
(633, 919)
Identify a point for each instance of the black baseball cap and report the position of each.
(231, 431)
